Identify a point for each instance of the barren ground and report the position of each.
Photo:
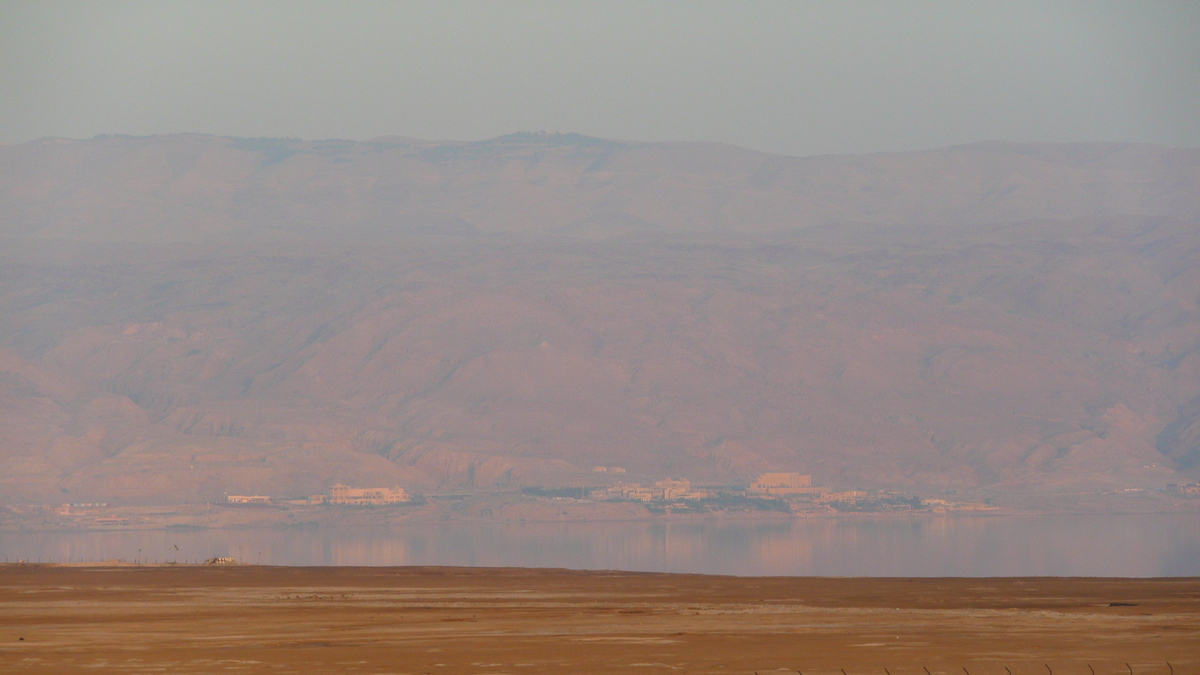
(181, 619)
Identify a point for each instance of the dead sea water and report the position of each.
(1144, 545)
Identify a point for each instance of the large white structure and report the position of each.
(343, 494)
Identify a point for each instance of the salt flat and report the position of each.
(194, 619)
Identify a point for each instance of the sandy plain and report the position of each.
(257, 619)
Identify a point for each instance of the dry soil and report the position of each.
(252, 619)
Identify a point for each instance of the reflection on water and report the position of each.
(1129, 545)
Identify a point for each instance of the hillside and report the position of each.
(189, 315)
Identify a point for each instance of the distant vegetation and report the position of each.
(869, 504)
(575, 492)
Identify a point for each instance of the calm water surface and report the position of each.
(1125, 545)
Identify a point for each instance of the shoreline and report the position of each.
(508, 508)
(485, 570)
(377, 517)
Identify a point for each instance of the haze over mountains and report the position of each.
(189, 315)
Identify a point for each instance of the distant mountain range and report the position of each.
(188, 315)
(192, 188)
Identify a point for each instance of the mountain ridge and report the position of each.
(189, 315)
(551, 182)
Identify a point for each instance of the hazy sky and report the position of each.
(789, 77)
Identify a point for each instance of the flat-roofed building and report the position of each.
(784, 484)
(247, 499)
(672, 489)
(375, 496)
(843, 496)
